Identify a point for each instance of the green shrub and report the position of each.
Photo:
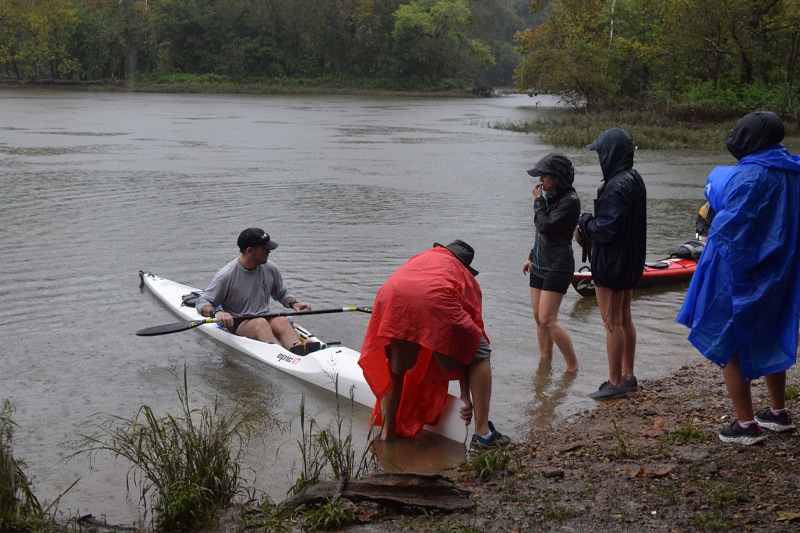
(735, 100)
(186, 465)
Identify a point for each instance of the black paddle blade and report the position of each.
(166, 329)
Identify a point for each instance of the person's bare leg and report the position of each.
(629, 335)
(389, 405)
(776, 385)
(256, 328)
(542, 335)
(549, 304)
(738, 390)
(282, 329)
(609, 304)
(404, 356)
(480, 383)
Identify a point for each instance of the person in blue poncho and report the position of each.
(743, 301)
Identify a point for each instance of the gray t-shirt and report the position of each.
(243, 292)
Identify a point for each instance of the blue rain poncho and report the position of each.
(744, 297)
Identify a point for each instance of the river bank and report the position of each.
(652, 462)
(651, 128)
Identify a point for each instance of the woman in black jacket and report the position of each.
(551, 262)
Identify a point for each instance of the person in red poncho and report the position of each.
(426, 329)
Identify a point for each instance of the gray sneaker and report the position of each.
(780, 422)
(607, 391)
(631, 384)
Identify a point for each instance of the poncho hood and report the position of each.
(754, 132)
(615, 149)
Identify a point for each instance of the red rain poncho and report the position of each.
(434, 301)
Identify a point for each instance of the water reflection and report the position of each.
(427, 454)
(548, 394)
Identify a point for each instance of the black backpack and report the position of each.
(189, 300)
(689, 250)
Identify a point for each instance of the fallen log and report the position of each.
(391, 489)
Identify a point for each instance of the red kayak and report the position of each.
(657, 273)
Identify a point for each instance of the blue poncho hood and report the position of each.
(745, 294)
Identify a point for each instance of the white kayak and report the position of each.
(318, 368)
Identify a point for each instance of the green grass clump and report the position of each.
(187, 465)
(791, 392)
(332, 515)
(19, 507)
(723, 497)
(685, 434)
(622, 446)
(487, 464)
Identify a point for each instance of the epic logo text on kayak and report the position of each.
(288, 358)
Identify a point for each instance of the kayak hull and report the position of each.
(657, 273)
(333, 367)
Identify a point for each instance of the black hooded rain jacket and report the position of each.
(555, 219)
(618, 229)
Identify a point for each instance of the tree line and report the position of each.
(419, 40)
(715, 55)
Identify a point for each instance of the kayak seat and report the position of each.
(657, 264)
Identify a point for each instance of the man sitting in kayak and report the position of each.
(238, 295)
(426, 329)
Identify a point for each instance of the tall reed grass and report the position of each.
(186, 466)
(330, 453)
(649, 129)
(19, 507)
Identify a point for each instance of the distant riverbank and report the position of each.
(651, 129)
(212, 84)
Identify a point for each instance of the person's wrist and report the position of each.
(212, 313)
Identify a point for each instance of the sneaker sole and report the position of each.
(742, 439)
(774, 426)
(475, 450)
(612, 397)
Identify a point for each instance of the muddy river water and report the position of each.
(96, 187)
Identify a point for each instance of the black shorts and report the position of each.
(239, 320)
(550, 281)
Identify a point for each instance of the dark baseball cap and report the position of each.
(556, 165)
(255, 237)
